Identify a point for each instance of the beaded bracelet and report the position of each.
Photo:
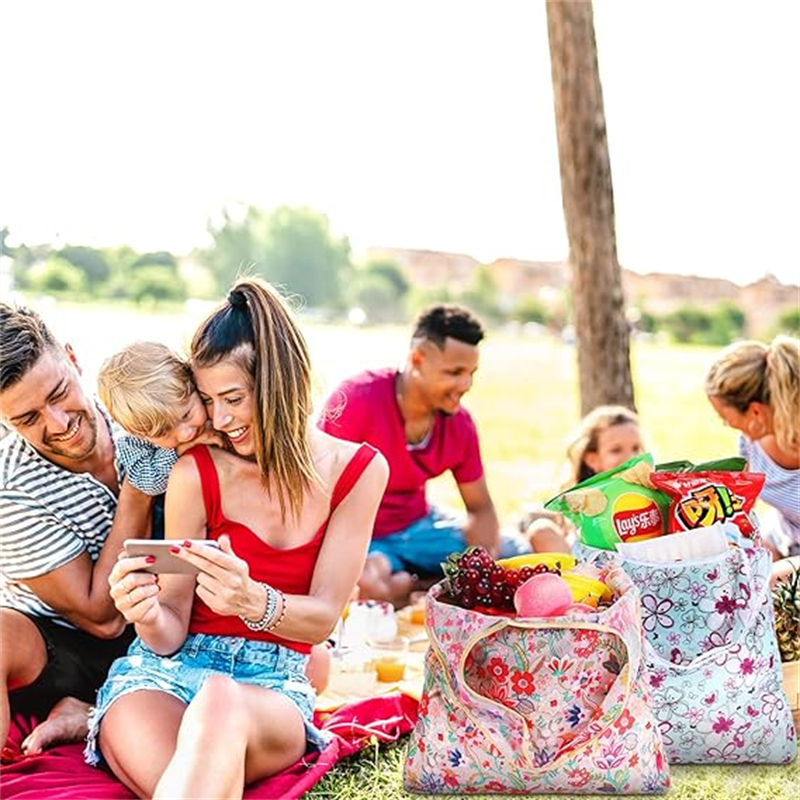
(271, 626)
(270, 607)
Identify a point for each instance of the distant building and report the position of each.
(548, 281)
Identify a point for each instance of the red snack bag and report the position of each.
(699, 499)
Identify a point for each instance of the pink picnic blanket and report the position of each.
(61, 774)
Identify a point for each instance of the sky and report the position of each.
(411, 123)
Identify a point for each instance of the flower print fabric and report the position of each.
(715, 671)
(542, 705)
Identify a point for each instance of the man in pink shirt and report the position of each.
(415, 418)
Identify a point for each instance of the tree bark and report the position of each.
(601, 329)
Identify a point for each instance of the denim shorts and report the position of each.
(182, 675)
(426, 543)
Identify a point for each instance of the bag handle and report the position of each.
(747, 618)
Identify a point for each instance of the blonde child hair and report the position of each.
(752, 372)
(585, 438)
(145, 387)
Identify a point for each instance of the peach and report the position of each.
(543, 595)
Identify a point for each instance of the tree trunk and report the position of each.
(601, 329)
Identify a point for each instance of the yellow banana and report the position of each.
(532, 559)
(586, 590)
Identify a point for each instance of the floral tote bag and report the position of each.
(715, 670)
(536, 705)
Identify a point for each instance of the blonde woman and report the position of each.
(755, 388)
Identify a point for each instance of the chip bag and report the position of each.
(619, 505)
(699, 499)
(728, 464)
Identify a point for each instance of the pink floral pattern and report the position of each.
(536, 706)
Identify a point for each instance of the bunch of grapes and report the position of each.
(473, 579)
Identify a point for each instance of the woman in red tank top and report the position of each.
(213, 693)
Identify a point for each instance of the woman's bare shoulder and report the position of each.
(328, 448)
(332, 455)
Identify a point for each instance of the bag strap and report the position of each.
(747, 618)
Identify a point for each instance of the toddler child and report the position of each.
(149, 391)
(605, 438)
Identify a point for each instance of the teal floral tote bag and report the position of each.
(536, 705)
(715, 670)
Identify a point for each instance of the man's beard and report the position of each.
(64, 450)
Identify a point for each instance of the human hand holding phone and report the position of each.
(165, 561)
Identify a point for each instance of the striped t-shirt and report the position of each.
(48, 517)
(781, 488)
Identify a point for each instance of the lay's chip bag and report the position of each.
(620, 505)
(702, 498)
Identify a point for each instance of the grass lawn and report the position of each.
(376, 774)
(525, 403)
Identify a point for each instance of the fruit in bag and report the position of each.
(473, 579)
(620, 505)
(700, 499)
(545, 595)
(559, 561)
(586, 590)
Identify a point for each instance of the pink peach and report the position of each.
(543, 595)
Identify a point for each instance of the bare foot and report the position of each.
(67, 722)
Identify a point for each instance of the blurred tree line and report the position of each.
(295, 249)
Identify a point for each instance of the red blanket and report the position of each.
(61, 774)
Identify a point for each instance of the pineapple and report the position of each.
(786, 603)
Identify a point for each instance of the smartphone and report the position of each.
(164, 560)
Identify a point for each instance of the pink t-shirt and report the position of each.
(364, 409)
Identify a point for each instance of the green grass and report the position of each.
(525, 403)
(376, 774)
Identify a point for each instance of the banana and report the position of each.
(565, 560)
(586, 590)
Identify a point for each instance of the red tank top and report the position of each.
(289, 570)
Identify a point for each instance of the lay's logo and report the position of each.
(636, 517)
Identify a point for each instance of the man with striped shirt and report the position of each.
(65, 513)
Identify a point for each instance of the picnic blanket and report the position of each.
(61, 774)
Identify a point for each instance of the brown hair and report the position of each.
(586, 437)
(24, 338)
(256, 330)
(145, 388)
(751, 372)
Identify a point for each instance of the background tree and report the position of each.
(55, 275)
(292, 248)
(5, 250)
(380, 290)
(90, 262)
(154, 284)
(482, 296)
(788, 323)
(161, 258)
(601, 329)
